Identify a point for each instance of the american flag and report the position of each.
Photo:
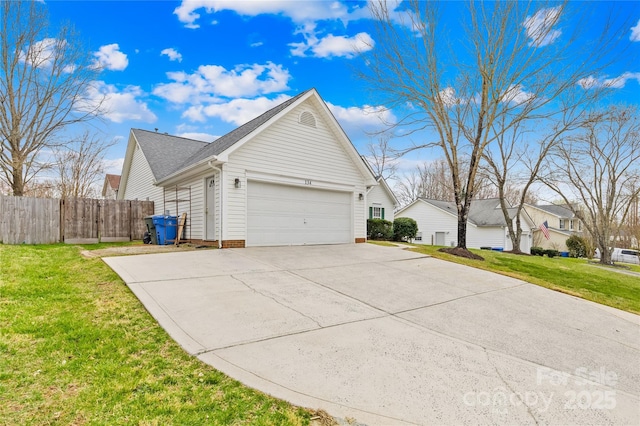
(544, 227)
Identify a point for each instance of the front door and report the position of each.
(210, 209)
(439, 238)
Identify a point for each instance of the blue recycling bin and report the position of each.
(166, 227)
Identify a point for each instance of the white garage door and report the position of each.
(291, 215)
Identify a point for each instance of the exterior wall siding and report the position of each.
(378, 197)
(140, 182)
(489, 236)
(192, 203)
(558, 240)
(431, 220)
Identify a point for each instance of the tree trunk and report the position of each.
(462, 228)
(17, 185)
(516, 238)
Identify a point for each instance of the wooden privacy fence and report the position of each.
(26, 220)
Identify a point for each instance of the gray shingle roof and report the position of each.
(165, 153)
(558, 210)
(481, 212)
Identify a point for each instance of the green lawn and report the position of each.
(572, 276)
(77, 347)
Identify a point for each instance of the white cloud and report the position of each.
(298, 11)
(619, 82)
(540, 26)
(237, 111)
(256, 44)
(117, 106)
(204, 137)
(367, 118)
(42, 53)
(210, 82)
(635, 32)
(113, 166)
(515, 94)
(448, 97)
(172, 53)
(110, 57)
(331, 46)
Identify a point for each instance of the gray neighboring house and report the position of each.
(438, 224)
(291, 176)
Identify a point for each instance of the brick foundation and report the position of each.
(361, 240)
(232, 243)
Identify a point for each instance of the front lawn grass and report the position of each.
(572, 276)
(77, 347)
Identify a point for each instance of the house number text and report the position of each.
(307, 181)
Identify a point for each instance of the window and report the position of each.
(561, 224)
(579, 226)
(376, 213)
(571, 224)
(418, 236)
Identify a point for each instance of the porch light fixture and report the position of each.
(361, 196)
(237, 183)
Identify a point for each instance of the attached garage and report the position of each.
(290, 176)
(293, 215)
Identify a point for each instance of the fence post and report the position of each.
(62, 209)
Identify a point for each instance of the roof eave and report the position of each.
(190, 171)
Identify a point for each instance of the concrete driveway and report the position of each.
(387, 336)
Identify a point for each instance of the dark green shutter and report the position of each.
(382, 213)
(370, 212)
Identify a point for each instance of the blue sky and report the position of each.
(201, 68)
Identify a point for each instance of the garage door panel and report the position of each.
(289, 215)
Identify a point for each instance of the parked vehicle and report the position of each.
(622, 255)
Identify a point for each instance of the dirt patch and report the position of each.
(140, 249)
(460, 252)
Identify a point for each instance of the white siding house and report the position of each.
(288, 177)
(438, 224)
(381, 201)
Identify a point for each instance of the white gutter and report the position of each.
(210, 164)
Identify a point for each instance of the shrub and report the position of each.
(379, 229)
(404, 228)
(537, 251)
(577, 246)
(551, 252)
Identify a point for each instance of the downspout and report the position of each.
(219, 170)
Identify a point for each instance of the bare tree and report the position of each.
(505, 69)
(516, 161)
(600, 168)
(43, 88)
(41, 188)
(80, 165)
(381, 157)
(430, 180)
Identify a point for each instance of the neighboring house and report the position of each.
(561, 222)
(110, 186)
(288, 177)
(438, 224)
(381, 201)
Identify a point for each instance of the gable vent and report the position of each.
(308, 119)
